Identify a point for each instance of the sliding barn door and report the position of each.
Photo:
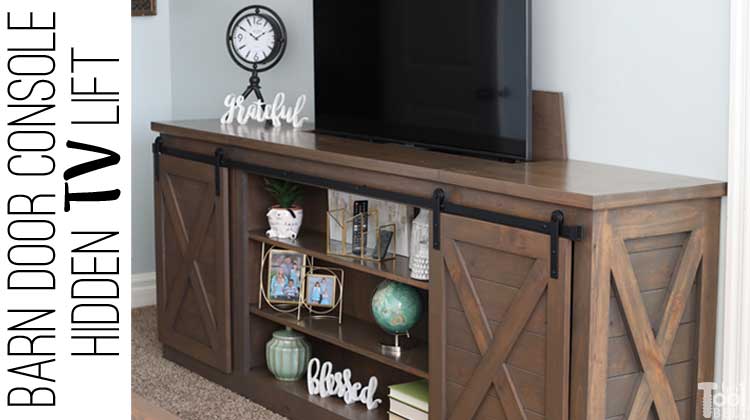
(499, 348)
(192, 248)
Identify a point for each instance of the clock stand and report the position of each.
(254, 87)
(502, 337)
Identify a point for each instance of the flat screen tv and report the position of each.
(451, 75)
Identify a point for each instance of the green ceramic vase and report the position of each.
(287, 354)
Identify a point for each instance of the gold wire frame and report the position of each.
(340, 218)
(292, 307)
(263, 296)
(315, 311)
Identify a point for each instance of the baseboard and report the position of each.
(143, 288)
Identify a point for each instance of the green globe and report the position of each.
(396, 307)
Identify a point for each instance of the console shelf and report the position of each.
(313, 244)
(354, 335)
(261, 377)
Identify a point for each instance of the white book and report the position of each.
(406, 411)
(394, 416)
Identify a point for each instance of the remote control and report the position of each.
(359, 231)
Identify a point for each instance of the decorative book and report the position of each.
(415, 394)
(406, 411)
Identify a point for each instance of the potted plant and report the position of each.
(285, 217)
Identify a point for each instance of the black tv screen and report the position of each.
(451, 75)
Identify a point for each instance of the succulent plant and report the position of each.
(286, 194)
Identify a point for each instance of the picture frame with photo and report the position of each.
(286, 277)
(283, 286)
(320, 290)
(324, 293)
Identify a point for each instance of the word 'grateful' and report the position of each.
(258, 111)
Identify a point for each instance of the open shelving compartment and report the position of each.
(355, 344)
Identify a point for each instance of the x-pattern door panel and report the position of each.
(193, 261)
(504, 348)
(661, 333)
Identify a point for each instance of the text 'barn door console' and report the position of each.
(558, 289)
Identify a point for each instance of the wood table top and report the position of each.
(573, 183)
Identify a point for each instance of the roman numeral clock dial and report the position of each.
(256, 39)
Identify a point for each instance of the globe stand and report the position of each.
(393, 349)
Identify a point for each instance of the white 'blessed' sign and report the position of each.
(322, 381)
(274, 112)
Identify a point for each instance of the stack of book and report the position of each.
(409, 401)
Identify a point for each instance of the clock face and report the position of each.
(254, 38)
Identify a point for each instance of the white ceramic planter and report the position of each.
(283, 224)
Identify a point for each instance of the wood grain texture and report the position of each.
(239, 222)
(621, 388)
(550, 140)
(557, 328)
(624, 361)
(313, 244)
(193, 288)
(599, 355)
(708, 279)
(674, 309)
(286, 398)
(503, 371)
(143, 7)
(438, 341)
(640, 330)
(354, 335)
(657, 253)
(484, 336)
(590, 321)
(572, 183)
(256, 204)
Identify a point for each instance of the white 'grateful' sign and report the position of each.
(322, 381)
(258, 111)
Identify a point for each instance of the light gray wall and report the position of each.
(645, 82)
(152, 100)
(202, 72)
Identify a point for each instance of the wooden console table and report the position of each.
(623, 330)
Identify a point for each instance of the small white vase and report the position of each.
(419, 255)
(284, 223)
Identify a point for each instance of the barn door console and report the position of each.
(192, 242)
(500, 324)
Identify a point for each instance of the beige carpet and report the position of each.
(177, 390)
